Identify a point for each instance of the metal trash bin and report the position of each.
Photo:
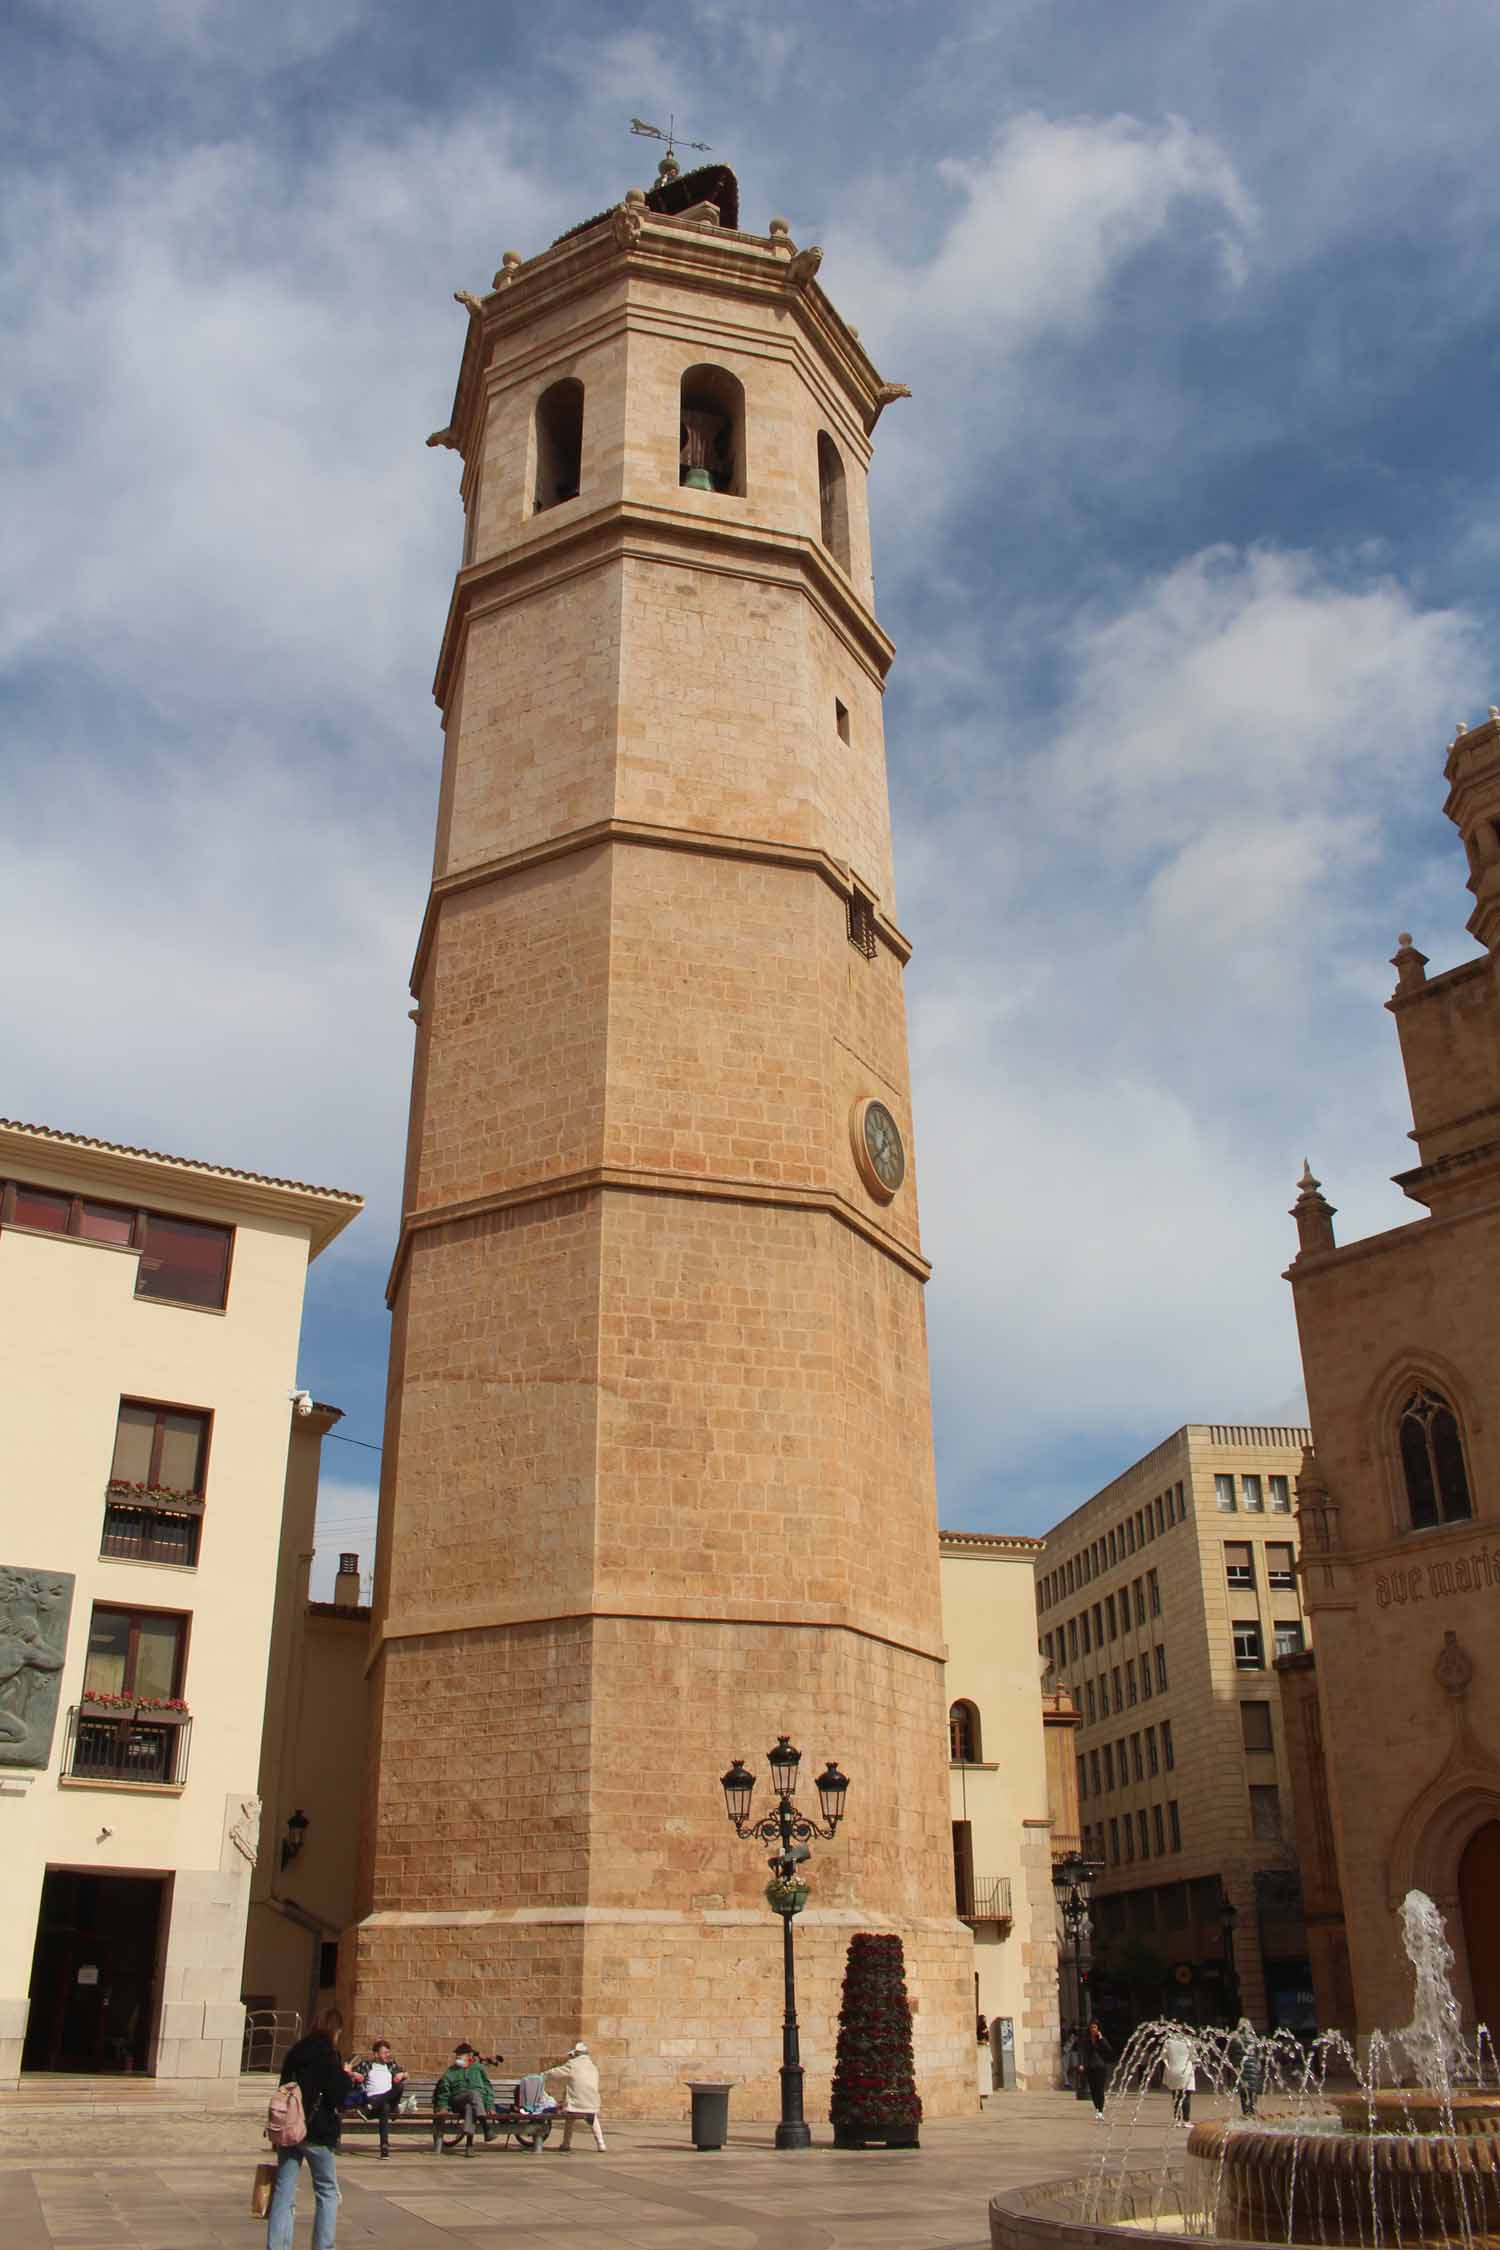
(710, 2111)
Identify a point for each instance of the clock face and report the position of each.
(883, 1147)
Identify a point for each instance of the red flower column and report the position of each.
(875, 2094)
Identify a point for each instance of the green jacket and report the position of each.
(466, 2078)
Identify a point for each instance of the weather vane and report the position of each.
(654, 133)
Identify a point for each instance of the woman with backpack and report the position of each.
(304, 2128)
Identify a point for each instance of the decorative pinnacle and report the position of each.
(1313, 1213)
(1307, 1185)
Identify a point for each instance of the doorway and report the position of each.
(94, 1980)
(1478, 1888)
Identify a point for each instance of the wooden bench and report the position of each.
(528, 2130)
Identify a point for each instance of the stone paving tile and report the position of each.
(163, 2182)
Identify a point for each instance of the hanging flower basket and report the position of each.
(786, 1898)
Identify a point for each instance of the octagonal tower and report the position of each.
(658, 1468)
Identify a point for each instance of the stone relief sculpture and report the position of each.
(244, 1826)
(34, 1610)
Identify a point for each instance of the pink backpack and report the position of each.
(286, 2125)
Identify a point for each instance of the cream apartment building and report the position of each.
(150, 1309)
(1005, 1782)
(1165, 1601)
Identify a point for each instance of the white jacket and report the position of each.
(581, 2074)
(1177, 2064)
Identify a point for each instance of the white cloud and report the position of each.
(258, 35)
(1122, 1052)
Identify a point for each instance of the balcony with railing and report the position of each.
(130, 1747)
(150, 1524)
(985, 1898)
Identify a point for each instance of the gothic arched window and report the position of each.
(711, 431)
(833, 501)
(963, 1735)
(559, 443)
(1432, 1461)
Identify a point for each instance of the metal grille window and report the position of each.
(862, 924)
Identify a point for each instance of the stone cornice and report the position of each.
(491, 1615)
(673, 537)
(1312, 1265)
(651, 837)
(606, 1178)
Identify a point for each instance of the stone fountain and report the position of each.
(1379, 2161)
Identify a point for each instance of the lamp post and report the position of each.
(1073, 1881)
(790, 1831)
(1228, 1917)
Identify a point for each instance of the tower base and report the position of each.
(661, 1997)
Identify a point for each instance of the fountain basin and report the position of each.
(1418, 2109)
(1353, 2186)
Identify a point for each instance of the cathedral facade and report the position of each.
(1393, 1724)
(658, 1468)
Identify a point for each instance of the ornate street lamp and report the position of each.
(292, 1842)
(791, 1832)
(1073, 1881)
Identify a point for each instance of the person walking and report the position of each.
(1097, 2056)
(382, 2080)
(322, 2078)
(1249, 2060)
(1070, 2058)
(580, 2075)
(1178, 2075)
(465, 2089)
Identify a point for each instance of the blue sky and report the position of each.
(1187, 539)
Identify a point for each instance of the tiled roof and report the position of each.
(182, 1163)
(997, 1542)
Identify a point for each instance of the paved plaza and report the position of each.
(84, 2170)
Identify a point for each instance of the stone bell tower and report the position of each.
(658, 1465)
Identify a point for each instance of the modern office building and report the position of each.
(1164, 1601)
(149, 1317)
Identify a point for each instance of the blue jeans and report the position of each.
(320, 2163)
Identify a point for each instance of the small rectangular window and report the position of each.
(1098, 1625)
(1135, 1758)
(1174, 1824)
(1086, 1647)
(1265, 1812)
(1151, 1760)
(1130, 1679)
(1114, 1840)
(1160, 1827)
(1094, 1772)
(1281, 1495)
(1247, 1648)
(1140, 1601)
(184, 1262)
(1146, 1688)
(1111, 1550)
(1239, 1563)
(41, 1209)
(1114, 1681)
(1073, 1640)
(841, 719)
(1161, 1668)
(862, 924)
(1140, 1833)
(1109, 1765)
(136, 1653)
(1109, 1614)
(1103, 1695)
(1129, 1827)
(1281, 1563)
(1288, 1639)
(1153, 1590)
(1255, 1725)
(1224, 1499)
(1088, 1692)
(1161, 1521)
(1254, 1501)
(1168, 1755)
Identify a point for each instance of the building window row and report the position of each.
(710, 449)
(1113, 1547)
(1249, 1643)
(1150, 1832)
(1105, 1621)
(1280, 1563)
(1254, 1493)
(1134, 1757)
(181, 1261)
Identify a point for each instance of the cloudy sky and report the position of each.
(1188, 541)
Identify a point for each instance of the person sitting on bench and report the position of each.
(464, 2088)
(381, 2080)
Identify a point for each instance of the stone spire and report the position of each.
(1410, 965)
(1313, 1214)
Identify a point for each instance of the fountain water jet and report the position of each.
(1394, 2164)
